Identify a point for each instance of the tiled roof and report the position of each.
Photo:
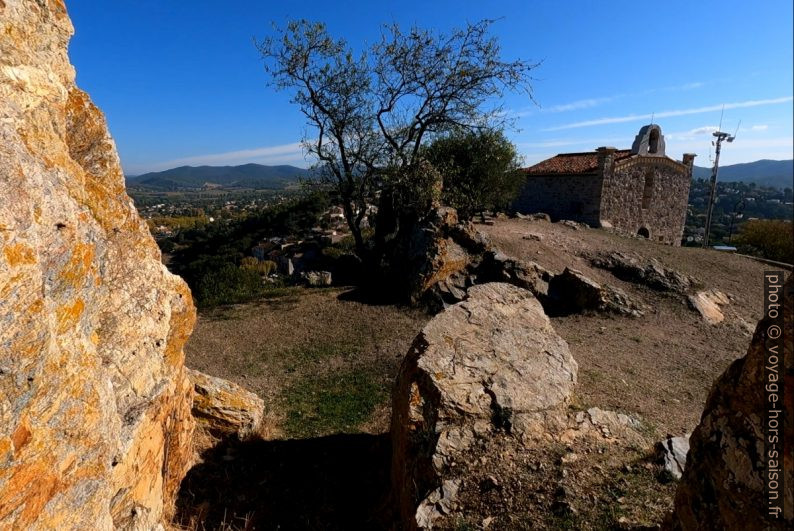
(572, 163)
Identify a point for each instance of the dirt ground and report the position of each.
(324, 362)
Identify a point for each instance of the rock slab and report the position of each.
(492, 363)
(224, 408)
(95, 423)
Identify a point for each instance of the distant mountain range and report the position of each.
(774, 173)
(255, 176)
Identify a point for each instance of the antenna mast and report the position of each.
(720, 137)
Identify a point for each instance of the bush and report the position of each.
(480, 171)
(768, 238)
(228, 284)
(249, 263)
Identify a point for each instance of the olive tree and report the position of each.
(370, 111)
(479, 169)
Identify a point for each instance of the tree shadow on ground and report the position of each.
(333, 482)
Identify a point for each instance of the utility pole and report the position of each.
(720, 137)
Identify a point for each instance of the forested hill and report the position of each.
(774, 173)
(255, 176)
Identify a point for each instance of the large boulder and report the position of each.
(224, 408)
(723, 486)
(95, 421)
(492, 363)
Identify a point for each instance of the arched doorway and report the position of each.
(645, 233)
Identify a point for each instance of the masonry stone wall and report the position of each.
(648, 194)
(575, 197)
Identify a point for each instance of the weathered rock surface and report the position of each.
(652, 274)
(708, 303)
(672, 453)
(723, 486)
(95, 420)
(573, 292)
(492, 363)
(498, 267)
(223, 407)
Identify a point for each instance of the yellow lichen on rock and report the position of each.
(95, 421)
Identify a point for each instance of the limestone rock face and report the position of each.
(95, 420)
(723, 484)
(492, 363)
(223, 407)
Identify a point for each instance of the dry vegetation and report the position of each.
(324, 364)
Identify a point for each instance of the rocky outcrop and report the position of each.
(708, 304)
(490, 364)
(224, 408)
(572, 292)
(438, 249)
(652, 274)
(723, 486)
(95, 421)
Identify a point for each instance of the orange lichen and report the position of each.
(76, 269)
(68, 315)
(21, 436)
(19, 254)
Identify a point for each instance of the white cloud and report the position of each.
(762, 127)
(579, 104)
(668, 114)
(281, 154)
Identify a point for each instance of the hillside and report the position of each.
(325, 363)
(257, 176)
(774, 173)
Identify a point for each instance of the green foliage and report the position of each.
(479, 170)
(228, 284)
(212, 252)
(768, 238)
(264, 267)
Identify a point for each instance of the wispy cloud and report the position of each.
(589, 103)
(579, 104)
(590, 142)
(281, 154)
(668, 114)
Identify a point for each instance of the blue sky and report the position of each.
(181, 82)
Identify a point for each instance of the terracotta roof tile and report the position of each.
(572, 163)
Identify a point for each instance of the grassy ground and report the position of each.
(322, 362)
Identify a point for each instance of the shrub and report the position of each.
(768, 238)
(228, 284)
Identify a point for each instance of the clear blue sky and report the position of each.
(181, 82)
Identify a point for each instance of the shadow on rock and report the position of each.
(334, 482)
